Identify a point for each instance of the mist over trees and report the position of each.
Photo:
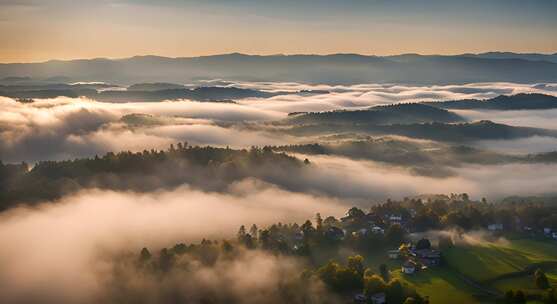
(209, 168)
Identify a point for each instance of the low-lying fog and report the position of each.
(64, 128)
(60, 251)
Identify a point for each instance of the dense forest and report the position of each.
(503, 102)
(444, 132)
(206, 167)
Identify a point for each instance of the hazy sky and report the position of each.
(37, 30)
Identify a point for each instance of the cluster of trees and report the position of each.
(207, 252)
(343, 280)
(550, 297)
(541, 281)
(324, 237)
(209, 168)
(459, 211)
(354, 277)
(356, 229)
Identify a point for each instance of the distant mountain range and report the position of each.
(336, 68)
(510, 55)
(502, 102)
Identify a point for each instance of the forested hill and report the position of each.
(379, 115)
(207, 168)
(137, 93)
(445, 132)
(521, 101)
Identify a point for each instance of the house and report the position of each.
(428, 257)
(377, 230)
(408, 267)
(393, 254)
(299, 236)
(379, 298)
(546, 230)
(360, 298)
(360, 232)
(395, 219)
(554, 235)
(495, 227)
(334, 233)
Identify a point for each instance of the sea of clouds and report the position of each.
(59, 252)
(61, 128)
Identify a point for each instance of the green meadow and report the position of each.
(471, 273)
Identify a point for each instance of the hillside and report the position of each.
(446, 132)
(502, 102)
(207, 168)
(379, 115)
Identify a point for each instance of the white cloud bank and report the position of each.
(60, 253)
(64, 128)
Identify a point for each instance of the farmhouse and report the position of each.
(361, 232)
(393, 254)
(395, 219)
(408, 267)
(334, 233)
(495, 227)
(428, 257)
(377, 230)
(360, 298)
(378, 298)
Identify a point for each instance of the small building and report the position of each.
(360, 232)
(428, 257)
(395, 219)
(393, 254)
(495, 227)
(546, 230)
(554, 235)
(334, 233)
(408, 267)
(379, 298)
(377, 230)
(299, 236)
(360, 298)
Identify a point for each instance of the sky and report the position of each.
(40, 30)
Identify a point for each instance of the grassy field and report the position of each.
(489, 260)
(481, 263)
(441, 285)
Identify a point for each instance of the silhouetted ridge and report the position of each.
(522, 101)
(380, 115)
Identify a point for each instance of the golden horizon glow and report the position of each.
(63, 30)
